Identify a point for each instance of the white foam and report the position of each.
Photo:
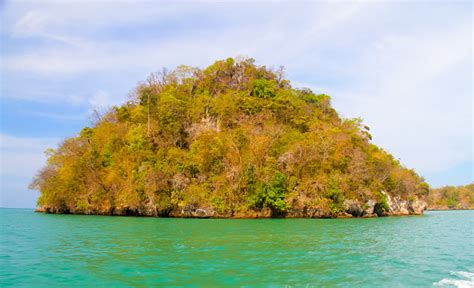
(468, 275)
(467, 282)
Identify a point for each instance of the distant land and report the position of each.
(232, 140)
(451, 198)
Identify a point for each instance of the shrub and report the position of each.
(336, 196)
(272, 195)
(381, 207)
(263, 88)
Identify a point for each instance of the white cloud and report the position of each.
(412, 92)
(25, 144)
(102, 99)
(30, 24)
(269, 40)
(409, 78)
(23, 156)
(20, 160)
(35, 24)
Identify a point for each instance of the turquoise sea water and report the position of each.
(436, 249)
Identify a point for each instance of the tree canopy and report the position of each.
(234, 138)
(452, 197)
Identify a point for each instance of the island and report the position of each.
(451, 198)
(233, 140)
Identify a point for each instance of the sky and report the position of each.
(403, 67)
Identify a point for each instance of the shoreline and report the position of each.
(449, 209)
(346, 216)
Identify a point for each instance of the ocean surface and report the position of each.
(41, 250)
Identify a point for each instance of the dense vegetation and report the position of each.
(452, 197)
(232, 140)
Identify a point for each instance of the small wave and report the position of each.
(465, 280)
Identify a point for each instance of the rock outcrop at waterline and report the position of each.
(232, 140)
(352, 208)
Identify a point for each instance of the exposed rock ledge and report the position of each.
(351, 208)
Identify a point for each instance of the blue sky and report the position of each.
(405, 68)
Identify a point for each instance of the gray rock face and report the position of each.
(403, 207)
(416, 206)
(353, 208)
(148, 210)
(196, 212)
(369, 207)
(306, 212)
(203, 213)
(393, 204)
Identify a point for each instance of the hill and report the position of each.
(232, 140)
(452, 197)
